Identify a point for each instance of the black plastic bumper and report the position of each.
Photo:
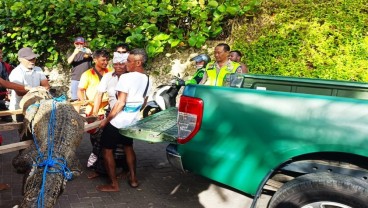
(174, 157)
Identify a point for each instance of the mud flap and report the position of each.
(160, 127)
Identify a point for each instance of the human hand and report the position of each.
(84, 102)
(88, 51)
(103, 124)
(27, 88)
(76, 50)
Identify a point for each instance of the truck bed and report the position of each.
(336, 88)
(160, 127)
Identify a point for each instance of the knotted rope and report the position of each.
(50, 163)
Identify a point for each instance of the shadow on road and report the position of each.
(160, 185)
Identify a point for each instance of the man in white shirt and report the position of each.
(132, 90)
(109, 82)
(27, 74)
(107, 85)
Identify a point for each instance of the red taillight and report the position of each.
(189, 118)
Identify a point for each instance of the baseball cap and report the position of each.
(79, 40)
(27, 53)
(120, 57)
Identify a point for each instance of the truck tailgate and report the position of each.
(160, 127)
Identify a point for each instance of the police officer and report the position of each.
(216, 70)
(201, 62)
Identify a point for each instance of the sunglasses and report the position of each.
(79, 43)
(122, 51)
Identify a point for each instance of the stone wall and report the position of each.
(176, 62)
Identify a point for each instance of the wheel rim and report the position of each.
(325, 204)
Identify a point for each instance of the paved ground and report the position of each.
(160, 185)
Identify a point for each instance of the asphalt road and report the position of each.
(160, 185)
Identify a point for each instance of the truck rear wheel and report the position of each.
(322, 190)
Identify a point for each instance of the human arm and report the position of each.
(119, 105)
(15, 77)
(204, 79)
(11, 85)
(45, 83)
(197, 77)
(244, 68)
(81, 94)
(101, 90)
(97, 103)
(86, 54)
(82, 87)
(71, 57)
(21, 92)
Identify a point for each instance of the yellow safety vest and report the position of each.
(215, 79)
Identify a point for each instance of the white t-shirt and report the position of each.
(27, 77)
(134, 84)
(108, 84)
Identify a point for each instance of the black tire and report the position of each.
(315, 188)
(149, 110)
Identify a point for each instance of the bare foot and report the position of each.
(93, 175)
(4, 186)
(133, 183)
(107, 188)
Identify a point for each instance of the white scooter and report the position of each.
(163, 98)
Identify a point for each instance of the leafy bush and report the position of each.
(49, 26)
(308, 38)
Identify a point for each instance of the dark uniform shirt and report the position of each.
(80, 64)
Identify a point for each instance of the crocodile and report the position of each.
(40, 188)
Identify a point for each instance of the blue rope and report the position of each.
(35, 104)
(51, 164)
(61, 98)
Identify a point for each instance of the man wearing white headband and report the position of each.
(107, 85)
(109, 81)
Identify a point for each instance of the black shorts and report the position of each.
(111, 137)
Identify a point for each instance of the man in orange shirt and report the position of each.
(90, 79)
(87, 89)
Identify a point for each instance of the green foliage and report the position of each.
(308, 38)
(49, 26)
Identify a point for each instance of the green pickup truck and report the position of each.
(303, 140)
